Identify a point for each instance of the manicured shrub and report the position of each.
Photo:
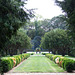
(50, 56)
(47, 55)
(55, 56)
(0, 66)
(66, 63)
(69, 65)
(14, 61)
(74, 65)
(32, 53)
(57, 60)
(60, 61)
(17, 59)
(44, 53)
(7, 63)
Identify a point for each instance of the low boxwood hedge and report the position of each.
(7, 63)
(66, 63)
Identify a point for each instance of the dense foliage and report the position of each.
(57, 41)
(66, 63)
(9, 62)
(39, 27)
(34, 29)
(13, 15)
(36, 42)
(55, 22)
(68, 6)
(18, 43)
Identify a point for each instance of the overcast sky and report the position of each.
(45, 8)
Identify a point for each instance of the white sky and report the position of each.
(46, 8)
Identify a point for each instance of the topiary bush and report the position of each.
(50, 56)
(55, 56)
(44, 53)
(32, 53)
(69, 65)
(66, 63)
(0, 66)
(60, 61)
(7, 63)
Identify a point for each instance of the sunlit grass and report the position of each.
(38, 64)
(70, 57)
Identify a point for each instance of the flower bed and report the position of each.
(66, 63)
(7, 63)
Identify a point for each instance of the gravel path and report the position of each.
(39, 74)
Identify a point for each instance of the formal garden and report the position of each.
(38, 46)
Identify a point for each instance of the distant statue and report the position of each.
(38, 50)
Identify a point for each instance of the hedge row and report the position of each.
(66, 63)
(7, 63)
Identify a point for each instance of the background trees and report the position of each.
(57, 41)
(18, 43)
(36, 42)
(55, 22)
(34, 28)
(12, 16)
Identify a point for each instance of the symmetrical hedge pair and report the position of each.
(7, 63)
(66, 63)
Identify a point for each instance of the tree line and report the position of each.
(17, 33)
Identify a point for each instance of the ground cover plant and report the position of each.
(38, 63)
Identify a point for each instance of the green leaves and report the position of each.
(19, 42)
(68, 6)
(56, 40)
(12, 17)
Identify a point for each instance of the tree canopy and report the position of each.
(68, 6)
(13, 15)
(18, 43)
(57, 41)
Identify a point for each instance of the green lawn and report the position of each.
(38, 64)
(70, 57)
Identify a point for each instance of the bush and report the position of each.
(44, 53)
(32, 53)
(47, 55)
(0, 66)
(60, 61)
(7, 63)
(69, 65)
(66, 63)
(50, 56)
(74, 65)
(55, 56)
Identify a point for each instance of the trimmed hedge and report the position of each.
(32, 53)
(66, 63)
(7, 63)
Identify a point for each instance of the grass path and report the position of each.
(38, 64)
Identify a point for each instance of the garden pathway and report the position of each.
(39, 74)
(11, 71)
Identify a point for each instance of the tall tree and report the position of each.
(12, 17)
(68, 6)
(18, 43)
(55, 22)
(58, 41)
